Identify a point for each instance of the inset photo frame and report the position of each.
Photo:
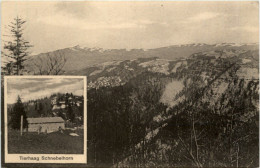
(45, 119)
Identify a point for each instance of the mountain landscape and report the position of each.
(159, 84)
(196, 111)
(190, 105)
(79, 57)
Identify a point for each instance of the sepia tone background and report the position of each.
(170, 84)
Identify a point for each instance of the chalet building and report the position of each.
(61, 104)
(55, 107)
(45, 124)
(54, 100)
(78, 103)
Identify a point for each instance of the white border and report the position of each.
(77, 158)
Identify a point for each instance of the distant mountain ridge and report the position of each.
(81, 57)
(115, 73)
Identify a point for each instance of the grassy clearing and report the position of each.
(53, 143)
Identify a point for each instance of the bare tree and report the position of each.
(49, 64)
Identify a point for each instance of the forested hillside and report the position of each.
(201, 111)
(65, 105)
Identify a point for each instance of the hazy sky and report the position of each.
(34, 88)
(54, 25)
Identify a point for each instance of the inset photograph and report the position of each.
(45, 117)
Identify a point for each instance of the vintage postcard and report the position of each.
(45, 119)
(169, 83)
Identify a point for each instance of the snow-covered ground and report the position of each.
(95, 72)
(170, 92)
(157, 65)
(244, 61)
(176, 66)
(248, 73)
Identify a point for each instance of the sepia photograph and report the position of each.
(130, 83)
(45, 115)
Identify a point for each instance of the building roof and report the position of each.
(44, 120)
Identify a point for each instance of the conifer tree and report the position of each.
(70, 113)
(17, 47)
(17, 112)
